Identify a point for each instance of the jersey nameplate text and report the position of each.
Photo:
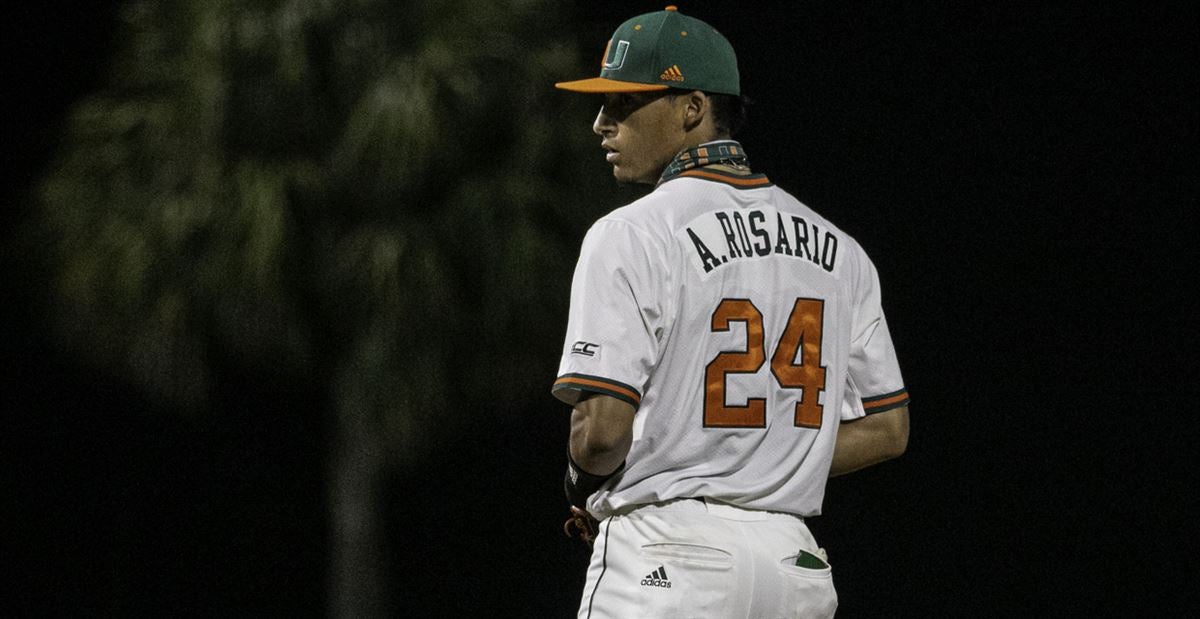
(719, 237)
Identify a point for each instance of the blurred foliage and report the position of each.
(384, 198)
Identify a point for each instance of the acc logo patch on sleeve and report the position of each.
(586, 349)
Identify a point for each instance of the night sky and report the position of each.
(1023, 180)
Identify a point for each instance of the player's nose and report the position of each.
(604, 124)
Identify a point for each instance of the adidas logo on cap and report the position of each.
(657, 578)
(672, 74)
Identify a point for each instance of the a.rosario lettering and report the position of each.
(733, 235)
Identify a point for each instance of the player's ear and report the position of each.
(696, 107)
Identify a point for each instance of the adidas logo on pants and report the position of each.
(657, 578)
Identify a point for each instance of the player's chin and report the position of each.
(626, 176)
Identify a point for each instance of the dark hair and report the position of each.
(729, 112)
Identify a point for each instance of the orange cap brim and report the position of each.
(603, 84)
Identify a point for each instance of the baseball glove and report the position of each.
(582, 524)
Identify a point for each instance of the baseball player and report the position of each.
(726, 353)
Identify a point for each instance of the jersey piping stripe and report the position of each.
(753, 181)
(599, 384)
(603, 567)
(885, 402)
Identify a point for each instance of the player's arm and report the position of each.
(870, 440)
(601, 433)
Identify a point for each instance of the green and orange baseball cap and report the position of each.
(661, 50)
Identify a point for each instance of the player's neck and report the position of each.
(724, 154)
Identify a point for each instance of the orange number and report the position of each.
(801, 337)
(716, 412)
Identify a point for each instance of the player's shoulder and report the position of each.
(621, 230)
(664, 207)
(648, 216)
(646, 209)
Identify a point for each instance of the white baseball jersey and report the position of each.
(742, 326)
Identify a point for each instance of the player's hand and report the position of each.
(583, 524)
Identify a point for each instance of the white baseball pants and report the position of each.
(704, 559)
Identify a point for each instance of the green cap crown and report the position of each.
(664, 49)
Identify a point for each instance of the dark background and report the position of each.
(1022, 178)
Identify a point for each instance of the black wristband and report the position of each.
(580, 484)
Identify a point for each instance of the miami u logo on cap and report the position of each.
(618, 59)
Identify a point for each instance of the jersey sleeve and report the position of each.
(874, 381)
(616, 313)
(852, 406)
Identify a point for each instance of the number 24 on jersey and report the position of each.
(795, 364)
